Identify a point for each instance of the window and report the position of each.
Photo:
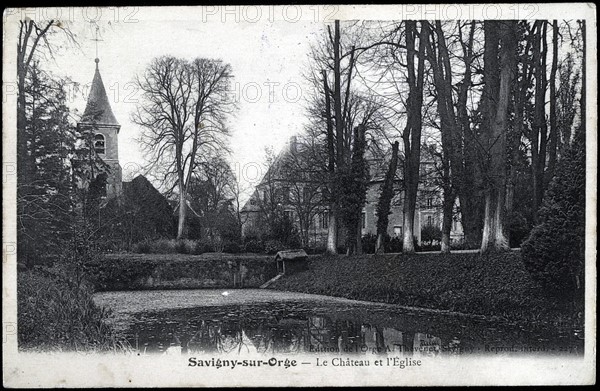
(325, 220)
(397, 231)
(288, 214)
(364, 220)
(430, 220)
(99, 144)
(429, 202)
(306, 194)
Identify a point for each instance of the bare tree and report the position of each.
(411, 135)
(439, 58)
(495, 100)
(337, 109)
(186, 106)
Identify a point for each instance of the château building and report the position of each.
(289, 199)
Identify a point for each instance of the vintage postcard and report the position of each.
(299, 195)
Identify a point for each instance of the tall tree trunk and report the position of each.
(451, 159)
(539, 137)
(467, 174)
(355, 185)
(412, 132)
(337, 98)
(553, 138)
(523, 82)
(332, 231)
(497, 95)
(385, 199)
(332, 237)
(447, 217)
(583, 121)
(182, 211)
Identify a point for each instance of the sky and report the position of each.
(267, 57)
(267, 48)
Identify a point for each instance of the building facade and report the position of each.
(275, 183)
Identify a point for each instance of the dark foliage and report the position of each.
(554, 253)
(254, 246)
(353, 181)
(44, 188)
(368, 243)
(391, 244)
(430, 234)
(284, 231)
(274, 246)
(232, 247)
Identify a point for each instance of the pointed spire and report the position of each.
(98, 106)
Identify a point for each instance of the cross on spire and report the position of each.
(97, 60)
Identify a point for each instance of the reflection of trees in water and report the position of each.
(274, 333)
(218, 337)
(266, 335)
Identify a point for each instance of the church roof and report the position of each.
(98, 106)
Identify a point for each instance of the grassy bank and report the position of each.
(495, 285)
(56, 314)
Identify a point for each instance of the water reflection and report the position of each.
(304, 328)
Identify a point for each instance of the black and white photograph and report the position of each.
(299, 195)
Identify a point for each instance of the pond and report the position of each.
(266, 321)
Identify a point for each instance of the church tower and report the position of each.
(100, 120)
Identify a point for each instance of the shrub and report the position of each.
(142, 247)
(394, 245)
(431, 233)
(254, 246)
(429, 247)
(231, 247)
(555, 250)
(56, 314)
(274, 246)
(180, 247)
(202, 246)
(315, 250)
(163, 246)
(460, 244)
(368, 243)
(519, 229)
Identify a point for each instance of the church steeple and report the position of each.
(98, 108)
(98, 118)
